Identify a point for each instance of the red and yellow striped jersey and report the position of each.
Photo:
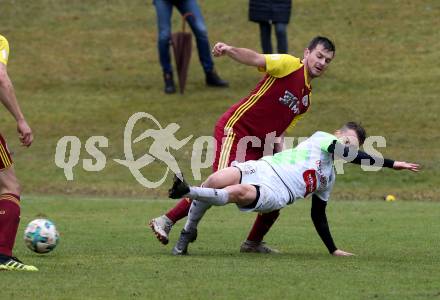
(276, 103)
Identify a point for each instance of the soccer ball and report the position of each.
(41, 236)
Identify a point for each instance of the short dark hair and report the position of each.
(360, 131)
(325, 42)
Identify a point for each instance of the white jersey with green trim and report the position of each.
(307, 168)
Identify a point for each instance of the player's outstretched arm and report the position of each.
(362, 158)
(402, 165)
(319, 219)
(339, 252)
(242, 55)
(9, 100)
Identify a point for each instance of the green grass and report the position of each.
(106, 252)
(83, 67)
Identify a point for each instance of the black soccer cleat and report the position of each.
(179, 188)
(185, 238)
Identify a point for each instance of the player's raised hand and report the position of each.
(24, 133)
(339, 252)
(402, 165)
(220, 49)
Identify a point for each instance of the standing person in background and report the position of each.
(266, 13)
(164, 10)
(9, 187)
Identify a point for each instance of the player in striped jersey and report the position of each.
(9, 187)
(278, 101)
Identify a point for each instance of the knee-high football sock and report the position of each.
(9, 220)
(217, 197)
(180, 210)
(262, 225)
(196, 213)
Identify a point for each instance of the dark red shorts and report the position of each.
(5, 155)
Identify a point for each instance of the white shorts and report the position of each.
(273, 193)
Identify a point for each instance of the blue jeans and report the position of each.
(164, 10)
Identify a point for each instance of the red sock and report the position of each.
(262, 225)
(9, 220)
(180, 210)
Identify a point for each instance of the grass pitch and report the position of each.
(107, 252)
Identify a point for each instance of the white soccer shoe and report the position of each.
(161, 227)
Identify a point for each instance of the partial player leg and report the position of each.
(222, 160)
(199, 208)
(9, 210)
(239, 193)
(196, 213)
(217, 193)
(162, 225)
(189, 232)
(262, 224)
(233, 192)
(9, 220)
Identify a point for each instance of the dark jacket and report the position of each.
(276, 11)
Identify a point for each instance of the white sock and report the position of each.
(196, 213)
(217, 197)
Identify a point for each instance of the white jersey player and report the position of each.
(274, 182)
(292, 174)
